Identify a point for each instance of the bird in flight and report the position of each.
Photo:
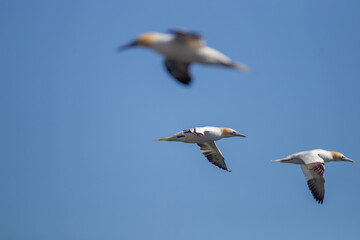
(205, 138)
(313, 166)
(180, 49)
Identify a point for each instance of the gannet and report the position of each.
(180, 49)
(313, 166)
(205, 138)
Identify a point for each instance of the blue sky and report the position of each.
(78, 160)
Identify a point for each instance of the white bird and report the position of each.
(205, 138)
(180, 49)
(313, 165)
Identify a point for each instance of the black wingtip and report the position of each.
(183, 31)
(184, 81)
(177, 30)
(178, 70)
(319, 201)
(318, 196)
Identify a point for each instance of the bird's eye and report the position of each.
(233, 132)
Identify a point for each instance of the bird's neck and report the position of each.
(326, 156)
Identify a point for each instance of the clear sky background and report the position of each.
(78, 120)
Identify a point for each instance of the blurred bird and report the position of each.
(180, 49)
(205, 138)
(313, 165)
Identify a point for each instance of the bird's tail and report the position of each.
(167, 139)
(281, 160)
(239, 66)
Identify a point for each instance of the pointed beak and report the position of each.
(238, 135)
(129, 45)
(347, 159)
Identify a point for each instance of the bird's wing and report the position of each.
(213, 154)
(314, 173)
(190, 38)
(308, 157)
(179, 70)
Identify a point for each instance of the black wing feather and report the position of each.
(179, 70)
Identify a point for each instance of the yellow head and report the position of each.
(340, 157)
(145, 40)
(228, 132)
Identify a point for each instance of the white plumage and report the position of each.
(313, 166)
(180, 49)
(205, 138)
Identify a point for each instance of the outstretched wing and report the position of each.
(213, 154)
(191, 38)
(179, 70)
(314, 173)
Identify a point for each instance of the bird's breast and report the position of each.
(180, 52)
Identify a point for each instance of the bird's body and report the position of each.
(180, 49)
(197, 135)
(205, 138)
(306, 157)
(313, 166)
(168, 46)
